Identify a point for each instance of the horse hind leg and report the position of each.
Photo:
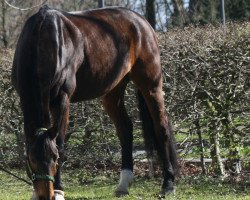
(161, 137)
(148, 79)
(113, 103)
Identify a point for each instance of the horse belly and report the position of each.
(87, 91)
(91, 87)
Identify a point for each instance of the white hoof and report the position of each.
(59, 195)
(126, 178)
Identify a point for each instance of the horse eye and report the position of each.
(32, 160)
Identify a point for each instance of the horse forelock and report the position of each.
(44, 147)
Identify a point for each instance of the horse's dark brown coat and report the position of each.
(69, 57)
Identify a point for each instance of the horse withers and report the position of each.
(66, 57)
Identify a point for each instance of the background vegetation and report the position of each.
(206, 71)
(162, 14)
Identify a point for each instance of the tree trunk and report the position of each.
(179, 13)
(198, 131)
(150, 12)
(217, 163)
(233, 143)
(203, 11)
(101, 3)
(195, 13)
(223, 19)
(234, 155)
(3, 25)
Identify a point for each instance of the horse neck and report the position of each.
(35, 107)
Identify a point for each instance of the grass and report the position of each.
(101, 187)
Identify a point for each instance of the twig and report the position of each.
(17, 177)
(24, 9)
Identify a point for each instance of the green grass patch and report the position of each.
(102, 187)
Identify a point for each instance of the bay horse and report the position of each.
(64, 57)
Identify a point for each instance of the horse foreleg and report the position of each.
(113, 103)
(60, 113)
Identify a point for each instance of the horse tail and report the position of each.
(147, 126)
(149, 135)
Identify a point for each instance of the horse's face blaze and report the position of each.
(43, 161)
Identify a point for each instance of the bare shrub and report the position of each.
(206, 79)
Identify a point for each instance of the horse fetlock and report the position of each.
(59, 195)
(126, 178)
(166, 191)
(119, 193)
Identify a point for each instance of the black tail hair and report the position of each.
(149, 135)
(147, 126)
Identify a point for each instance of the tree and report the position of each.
(178, 15)
(237, 9)
(203, 11)
(3, 29)
(101, 3)
(150, 12)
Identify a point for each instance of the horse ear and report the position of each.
(40, 131)
(51, 133)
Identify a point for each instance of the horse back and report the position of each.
(83, 53)
(114, 40)
(46, 56)
(47, 45)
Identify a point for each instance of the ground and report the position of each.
(101, 187)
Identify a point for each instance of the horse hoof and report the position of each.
(166, 192)
(119, 193)
(59, 195)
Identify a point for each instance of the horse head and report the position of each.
(42, 162)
